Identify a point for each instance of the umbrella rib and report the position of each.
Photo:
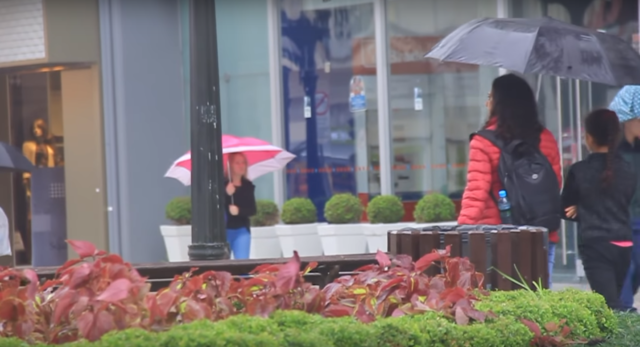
(608, 65)
(531, 49)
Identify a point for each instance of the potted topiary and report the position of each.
(299, 231)
(385, 213)
(343, 234)
(435, 209)
(177, 237)
(264, 239)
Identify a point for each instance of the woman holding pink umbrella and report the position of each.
(241, 205)
(245, 158)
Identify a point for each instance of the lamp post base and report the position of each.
(209, 251)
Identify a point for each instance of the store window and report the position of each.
(329, 98)
(54, 119)
(434, 106)
(37, 128)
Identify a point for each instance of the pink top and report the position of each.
(622, 243)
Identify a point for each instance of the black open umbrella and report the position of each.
(12, 159)
(542, 46)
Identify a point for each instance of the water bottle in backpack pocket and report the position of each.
(531, 187)
(504, 206)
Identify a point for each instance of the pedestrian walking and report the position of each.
(626, 104)
(514, 152)
(597, 194)
(241, 205)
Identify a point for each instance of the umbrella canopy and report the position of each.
(542, 46)
(262, 158)
(627, 103)
(12, 159)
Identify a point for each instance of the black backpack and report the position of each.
(531, 184)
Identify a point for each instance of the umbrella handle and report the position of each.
(229, 173)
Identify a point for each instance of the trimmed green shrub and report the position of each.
(299, 211)
(433, 208)
(343, 209)
(477, 334)
(299, 329)
(129, 338)
(267, 214)
(241, 331)
(585, 313)
(385, 209)
(178, 210)
(295, 319)
(346, 331)
(605, 318)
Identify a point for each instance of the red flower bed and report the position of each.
(99, 292)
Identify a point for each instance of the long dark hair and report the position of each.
(603, 126)
(515, 108)
(45, 136)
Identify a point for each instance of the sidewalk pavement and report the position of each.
(583, 285)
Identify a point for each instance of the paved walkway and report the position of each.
(584, 285)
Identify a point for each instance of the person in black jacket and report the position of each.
(241, 205)
(597, 194)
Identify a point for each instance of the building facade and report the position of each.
(342, 84)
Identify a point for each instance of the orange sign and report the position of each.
(406, 55)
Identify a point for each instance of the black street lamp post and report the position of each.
(208, 236)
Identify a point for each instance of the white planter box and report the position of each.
(177, 239)
(342, 239)
(376, 235)
(300, 237)
(265, 243)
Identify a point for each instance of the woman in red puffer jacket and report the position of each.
(513, 114)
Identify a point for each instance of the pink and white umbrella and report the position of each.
(262, 158)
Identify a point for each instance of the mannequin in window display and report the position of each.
(40, 150)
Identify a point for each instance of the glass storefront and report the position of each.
(433, 106)
(244, 74)
(329, 92)
(37, 127)
(331, 87)
(53, 117)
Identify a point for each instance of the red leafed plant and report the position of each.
(216, 295)
(555, 334)
(99, 292)
(191, 297)
(95, 294)
(19, 316)
(400, 287)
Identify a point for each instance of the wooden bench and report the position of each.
(161, 274)
(512, 251)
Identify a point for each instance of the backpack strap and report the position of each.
(490, 135)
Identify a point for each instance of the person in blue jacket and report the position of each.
(627, 105)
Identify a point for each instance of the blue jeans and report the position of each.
(240, 242)
(632, 282)
(552, 260)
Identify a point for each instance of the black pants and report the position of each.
(606, 267)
